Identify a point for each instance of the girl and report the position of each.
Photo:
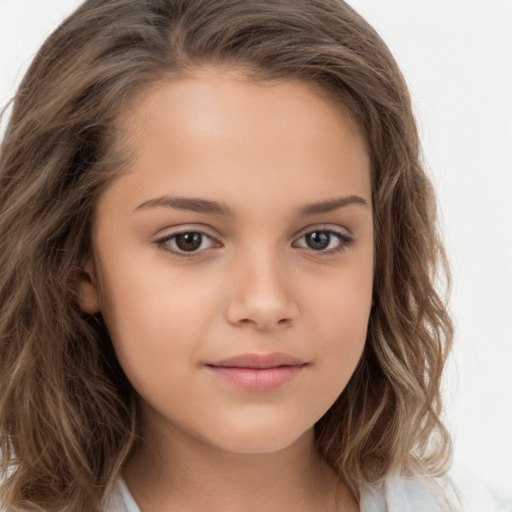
(217, 260)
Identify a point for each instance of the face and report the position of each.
(234, 258)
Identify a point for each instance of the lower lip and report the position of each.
(258, 379)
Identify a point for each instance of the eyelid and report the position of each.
(345, 237)
(162, 241)
(183, 228)
(334, 228)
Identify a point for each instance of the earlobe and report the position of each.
(88, 289)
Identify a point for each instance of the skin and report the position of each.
(265, 151)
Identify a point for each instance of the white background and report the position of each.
(457, 58)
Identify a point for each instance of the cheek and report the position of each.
(152, 316)
(147, 296)
(342, 315)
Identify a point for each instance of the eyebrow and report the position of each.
(193, 204)
(207, 206)
(332, 204)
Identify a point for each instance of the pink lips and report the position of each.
(256, 372)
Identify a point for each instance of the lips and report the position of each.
(258, 372)
(259, 361)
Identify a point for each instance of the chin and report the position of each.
(261, 441)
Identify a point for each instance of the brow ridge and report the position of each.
(208, 206)
(332, 204)
(194, 204)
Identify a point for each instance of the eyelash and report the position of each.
(345, 241)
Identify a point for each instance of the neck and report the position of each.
(184, 473)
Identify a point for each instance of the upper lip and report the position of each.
(258, 361)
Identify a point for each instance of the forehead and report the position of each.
(217, 132)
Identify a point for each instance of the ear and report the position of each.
(88, 289)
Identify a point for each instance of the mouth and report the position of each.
(258, 372)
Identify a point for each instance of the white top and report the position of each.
(396, 494)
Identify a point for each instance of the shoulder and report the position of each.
(460, 492)
(399, 493)
(121, 500)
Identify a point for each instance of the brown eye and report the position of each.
(186, 242)
(318, 240)
(324, 240)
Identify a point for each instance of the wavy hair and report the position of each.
(69, 419)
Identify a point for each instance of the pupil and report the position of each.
(189, 241)
(318, 240)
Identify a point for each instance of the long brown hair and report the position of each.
(68, 416)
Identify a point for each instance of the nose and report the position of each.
(261, 293)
